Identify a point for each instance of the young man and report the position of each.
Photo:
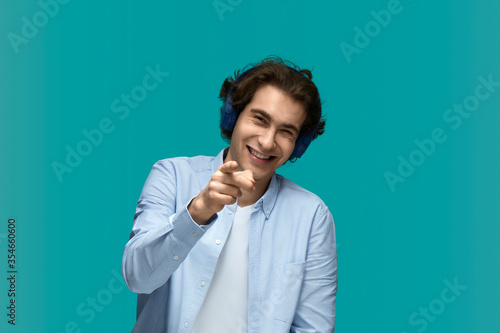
(224, 244)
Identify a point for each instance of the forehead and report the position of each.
(278, 105)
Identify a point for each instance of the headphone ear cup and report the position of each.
(230, 114)
(301, 145)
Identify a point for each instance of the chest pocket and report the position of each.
(287, 284)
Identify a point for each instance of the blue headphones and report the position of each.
(230, 116)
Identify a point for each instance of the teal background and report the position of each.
(395, 248)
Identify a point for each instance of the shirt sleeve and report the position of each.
(316, 307)
(162, 236)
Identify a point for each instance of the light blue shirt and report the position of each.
(170, 260)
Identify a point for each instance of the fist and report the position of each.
(224, 188)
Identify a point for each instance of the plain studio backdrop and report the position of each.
(93, 93)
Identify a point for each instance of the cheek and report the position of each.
(287, 144)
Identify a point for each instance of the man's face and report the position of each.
(265, 133)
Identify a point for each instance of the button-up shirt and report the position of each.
(170, 260)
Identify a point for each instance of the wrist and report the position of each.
(199, 212)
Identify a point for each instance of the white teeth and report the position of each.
(262, 157)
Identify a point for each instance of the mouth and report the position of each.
(259, 155)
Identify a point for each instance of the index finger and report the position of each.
(229, 167)
(247, 174)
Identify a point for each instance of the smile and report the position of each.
(259, 155)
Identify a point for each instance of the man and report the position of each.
(224, 244)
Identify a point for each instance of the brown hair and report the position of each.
(283, 75)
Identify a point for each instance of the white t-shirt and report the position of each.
(225, 306)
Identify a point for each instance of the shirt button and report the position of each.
(229, 212)
(202, 283)
(267, 212)
(176, 257)
(195, 234)
(186, 324)
(217, 242)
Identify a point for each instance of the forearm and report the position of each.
(316, 310)
(152, 255)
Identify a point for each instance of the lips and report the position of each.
(259, 155)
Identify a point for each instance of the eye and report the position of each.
(288, 133)
(259, 120)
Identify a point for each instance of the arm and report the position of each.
(316, 309)
(161, 237)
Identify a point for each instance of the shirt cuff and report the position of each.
(210, 221)
(186, 229)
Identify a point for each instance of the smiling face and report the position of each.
(265, 133)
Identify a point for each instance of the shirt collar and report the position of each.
(217, 161)
(268, 200)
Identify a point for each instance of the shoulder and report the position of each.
(297, 197)
(301, 210)
(181, 169)
(289, 188)
(196, 163)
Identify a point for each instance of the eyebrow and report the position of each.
(268, 117)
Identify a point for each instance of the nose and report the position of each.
(267, 140)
